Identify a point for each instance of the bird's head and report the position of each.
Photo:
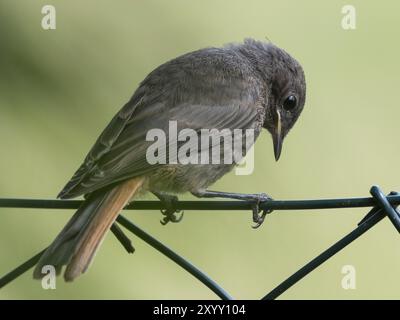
(285, 97)
(285, 87)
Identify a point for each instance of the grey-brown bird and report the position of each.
(251, 85)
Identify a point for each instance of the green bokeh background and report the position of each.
(59, 88)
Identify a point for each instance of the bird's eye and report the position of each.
(290, 103)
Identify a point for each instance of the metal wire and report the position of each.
(209, 205)
(382, 206)
(201, 276)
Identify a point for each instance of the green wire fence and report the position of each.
(381, 206)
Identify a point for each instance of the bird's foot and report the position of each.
(258, 218)
(257, 198)
(171, 214)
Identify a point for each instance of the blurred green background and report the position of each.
(59, 88)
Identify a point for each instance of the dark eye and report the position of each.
(290, 103)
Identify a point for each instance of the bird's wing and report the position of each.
(103, 144)
(197, 103)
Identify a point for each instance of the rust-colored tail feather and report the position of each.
(77, 243)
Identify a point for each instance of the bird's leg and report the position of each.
(169, 201)
(258, 219)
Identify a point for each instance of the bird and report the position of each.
(245, 85)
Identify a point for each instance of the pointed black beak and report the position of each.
(277, 146)
(277, 136)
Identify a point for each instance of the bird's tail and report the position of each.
(76, 244)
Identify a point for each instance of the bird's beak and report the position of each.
(277, 136)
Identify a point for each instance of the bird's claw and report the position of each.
(170, 216)
(171, 211)
(258, 218)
